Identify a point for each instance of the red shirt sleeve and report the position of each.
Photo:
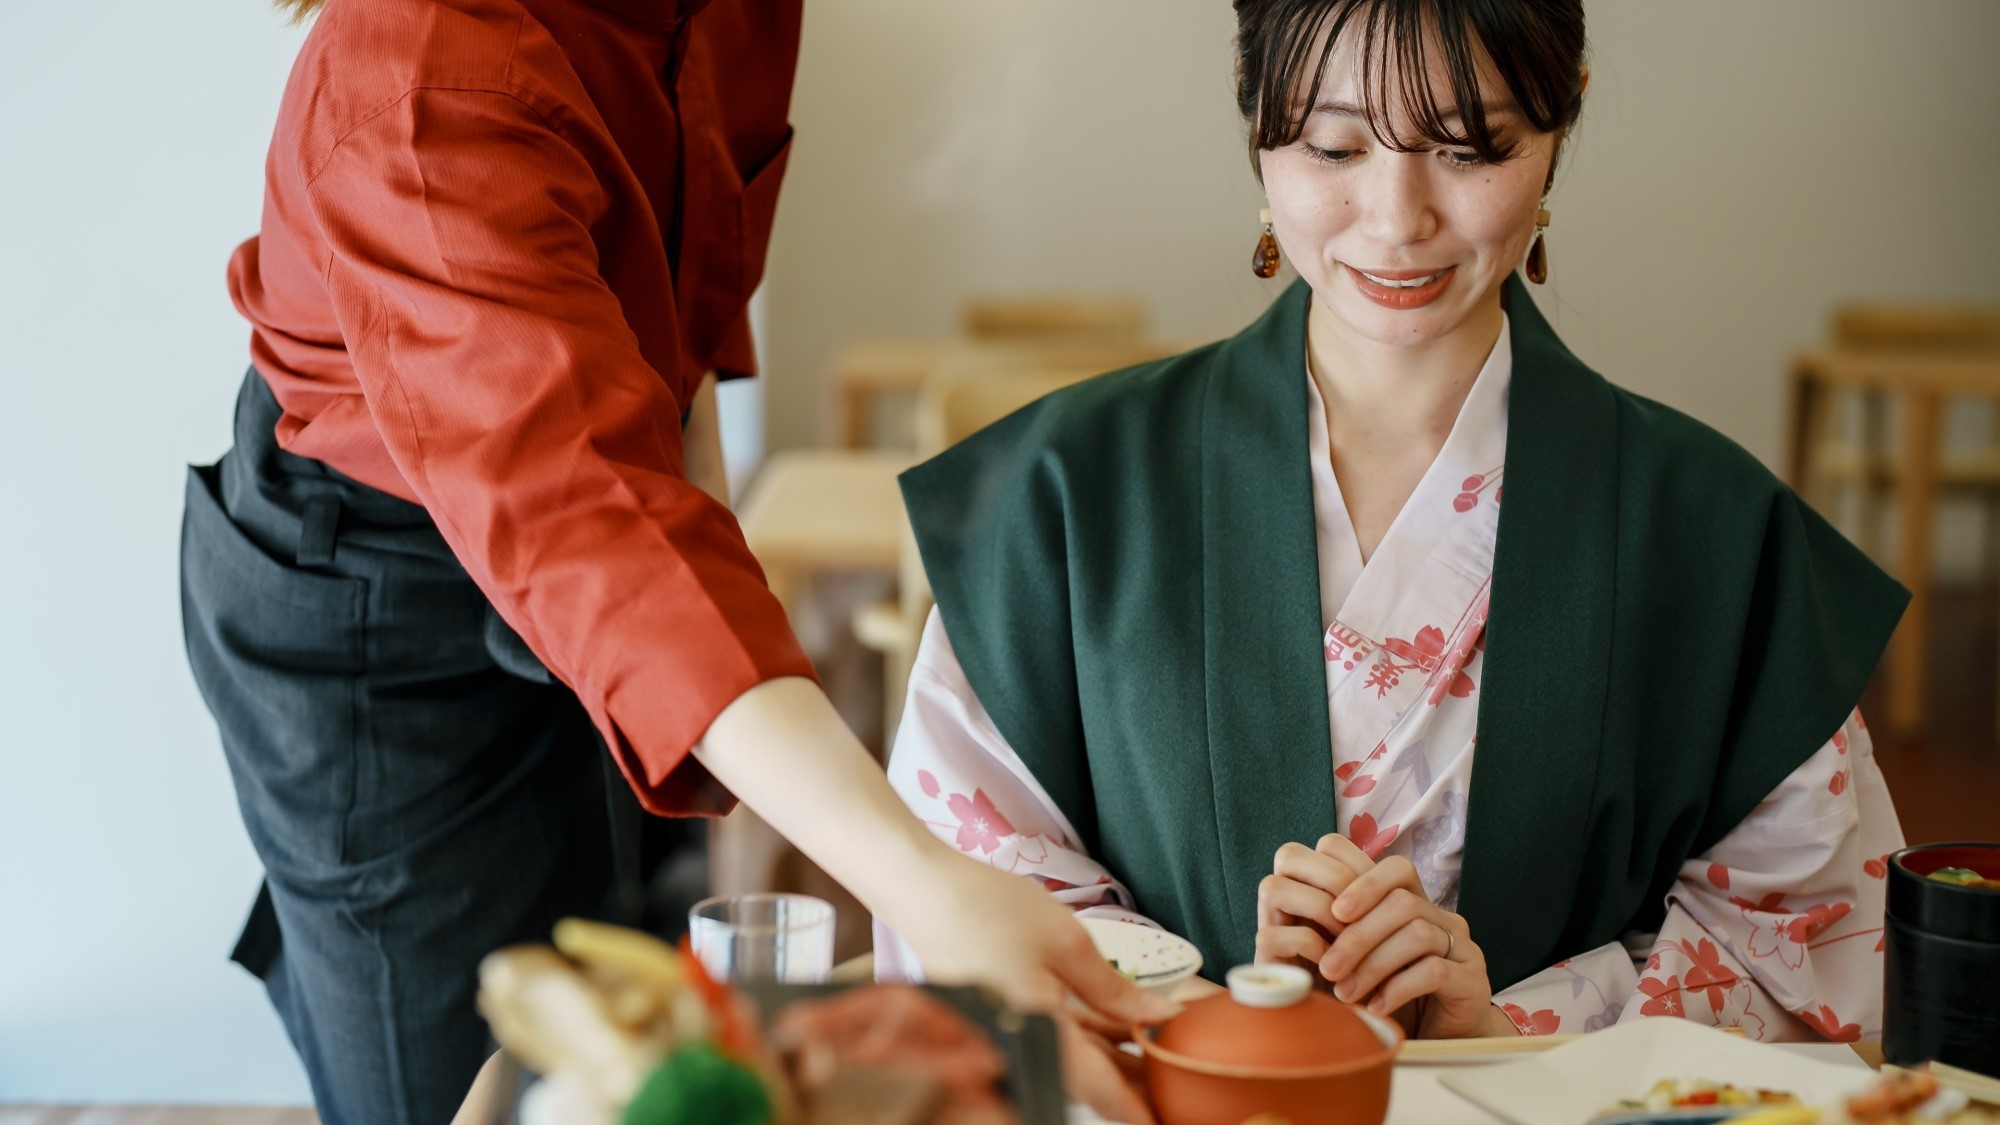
(504, 378)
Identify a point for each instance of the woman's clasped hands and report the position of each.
(1369, 930)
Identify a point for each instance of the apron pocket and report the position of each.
(279, 655)
(235, 580)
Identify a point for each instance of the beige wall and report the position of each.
(1742, 165)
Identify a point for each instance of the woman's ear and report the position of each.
(1583, 83)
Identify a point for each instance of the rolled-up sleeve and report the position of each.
(504, 377)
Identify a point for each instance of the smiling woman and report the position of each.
(1263, 600)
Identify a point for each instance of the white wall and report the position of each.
(946, 149)
(132, 136)
(1741, 166)
(1744, 166)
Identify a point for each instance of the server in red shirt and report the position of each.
(457, 553)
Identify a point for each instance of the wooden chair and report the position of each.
(867, 371)
(1919, 358)
(1917, 327)
(1048, 329)
(950, 409)
(1042, 317)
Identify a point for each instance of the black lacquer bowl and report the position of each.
(1942, 982)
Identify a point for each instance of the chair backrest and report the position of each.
(1046, 317)
(1917, 327)
(968, 359)
(968, 392)
(953, 408)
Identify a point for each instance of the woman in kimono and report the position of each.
(1588, 755)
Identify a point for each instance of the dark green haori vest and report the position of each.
(1128, 572)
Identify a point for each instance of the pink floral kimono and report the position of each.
(1777, 929)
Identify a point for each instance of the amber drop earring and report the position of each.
(1538, 253)
(1265, 262)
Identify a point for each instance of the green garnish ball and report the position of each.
(698, 1085)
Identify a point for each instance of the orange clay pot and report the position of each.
(1271, 1045)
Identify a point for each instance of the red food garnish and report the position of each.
(735, 1036)
(1893, 1096)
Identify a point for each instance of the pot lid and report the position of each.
(1270, 1017)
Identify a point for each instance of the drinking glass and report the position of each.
(765, 937)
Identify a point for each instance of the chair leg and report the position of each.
(1799, 423)
(1803, 423)
(1874, 450)
(1916, 493)
(1990, 563)
(854, 410)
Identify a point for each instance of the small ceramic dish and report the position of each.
(1155, 959)
(1967, 913)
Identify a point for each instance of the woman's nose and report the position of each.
(1400, 211)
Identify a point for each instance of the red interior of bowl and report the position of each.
(1983, 858)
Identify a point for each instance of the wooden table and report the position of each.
(814, 510)
(1416, 1096)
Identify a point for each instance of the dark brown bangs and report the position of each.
(1536, 47)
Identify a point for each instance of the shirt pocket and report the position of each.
(757, 211)
(726, 235)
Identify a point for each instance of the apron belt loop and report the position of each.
(322, 523)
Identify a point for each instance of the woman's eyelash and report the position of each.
(1328, 155)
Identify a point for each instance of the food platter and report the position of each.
(1580, 1080)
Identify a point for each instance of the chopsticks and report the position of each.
(1420, 1050)
(1425, 1050)
(1971, 1083)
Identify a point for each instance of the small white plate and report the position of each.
(1156, 959)
(1580, 1080)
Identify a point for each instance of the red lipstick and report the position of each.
(1402, 296)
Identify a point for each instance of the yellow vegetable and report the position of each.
(640, 956)
(548, 1016)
